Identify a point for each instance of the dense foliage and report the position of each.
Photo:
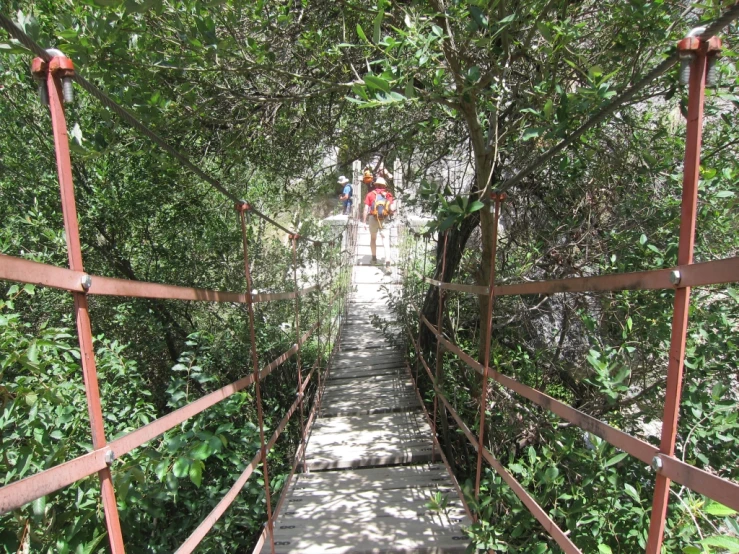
(275, 99)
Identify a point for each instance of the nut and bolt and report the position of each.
(67, 90)
(657, 463)
(686, 60)
(86, 282)
(59, 65)
(109, 457)
(712, 71)
(675, 277)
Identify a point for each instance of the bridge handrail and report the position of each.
(81, 284)
(26, 271)
(714, 272)
(681, 279)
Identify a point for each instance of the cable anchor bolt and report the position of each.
(675, 277)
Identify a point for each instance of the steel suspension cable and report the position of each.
(127, 116)
(729, 16)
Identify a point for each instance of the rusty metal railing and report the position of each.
(50, 70)
(680, 279)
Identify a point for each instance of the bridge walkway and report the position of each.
(369, 472)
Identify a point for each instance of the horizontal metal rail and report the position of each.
(21, 492)
(722, 490)
(471, 289)
(192, 542)
(536, 510)
(717, 272)
(35, 273)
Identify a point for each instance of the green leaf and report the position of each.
(196, 473)
(548, 109)
(643, 239)
(532, 132)
(39, 506)
(716, 509)
(724, 194)
(377, 83)
(728, 543)
(604, 549)
(161, 470)
(544, 30)
(617, 458)
(56, 434)
(13, 48)
(632, 492)
(692, 550)
(476, 205)
(201, 452)
(595, 71)
(410, 91)
(377, 23)
(32, 353)
(361, 34)
(551, 474)
(181, 467)
(478, 16)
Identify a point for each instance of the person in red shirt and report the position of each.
(379, 207)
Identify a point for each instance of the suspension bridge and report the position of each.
(368, 458)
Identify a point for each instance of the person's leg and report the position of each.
(385, 237)
(373, 228)
(390, 229)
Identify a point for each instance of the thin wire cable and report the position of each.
(127, 116)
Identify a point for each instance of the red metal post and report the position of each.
(242, 208)
(53, 72)
(497, 198)
(294, 239)
(439, 322)
(700, 49)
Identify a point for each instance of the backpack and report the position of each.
(381, 204)
(351, 190)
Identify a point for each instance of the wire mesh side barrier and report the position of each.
(681, 279)
(81, 284)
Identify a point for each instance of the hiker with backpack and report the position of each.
(379, 207)
(346, 194)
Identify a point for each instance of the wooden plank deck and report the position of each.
(368, 468)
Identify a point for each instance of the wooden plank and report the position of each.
(397, 477)
(376, 439)
(388, 362)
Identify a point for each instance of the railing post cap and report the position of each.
(242, 206)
